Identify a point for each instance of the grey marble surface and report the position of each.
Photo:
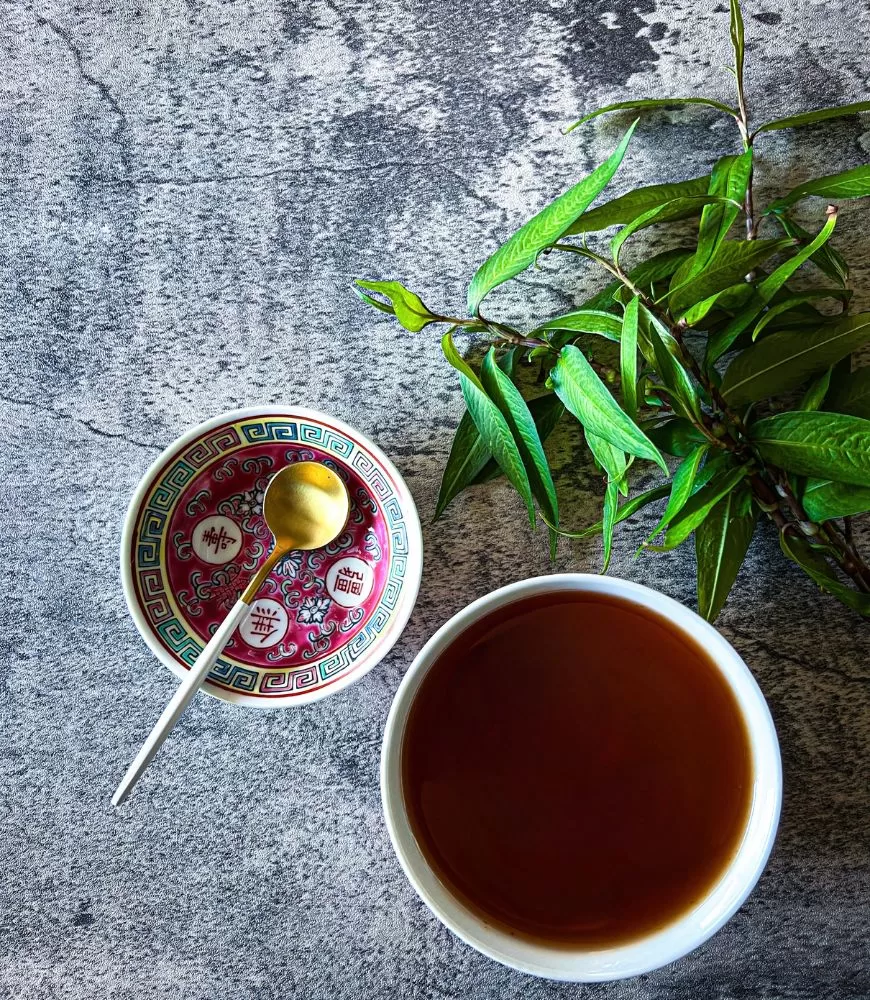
(188, 189)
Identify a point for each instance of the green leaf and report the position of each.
(611, 503)
(515, 410)
(828, 260)
(408, 308)
(721, 542)
(611, 459)
(657, 268)
(605, 324)
(737, 42)
(729, 298)
(823, 499)
(682, 485)
(733, 260)
(604, 299)
(835, 187)
(669, 211)
(546, 411)
(729, 179)
(791, 301)
(816, 566)
(621, 211)
(644, 104)
(852, 394)
(623, 513)
(816, 443)
(683, 391)
(544, 229)
(676, 436)
(699, 506)
(628, 358)
(384, 307)
(811, 117)
(816, 392)
(585, 395)
(492, 426)
(468, 456)
(786, 358)
(764, 293)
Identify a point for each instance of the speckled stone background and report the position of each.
(188, 189)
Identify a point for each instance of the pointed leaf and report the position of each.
(644, 104)
(491, 425)
(621, 211)
(816, 392)
(852, 394)
(721, 542)
(544, 229)
(816, 566)
(828, 260)
(408, 307)
(611, 459)
(699, 506)
(585, 395)
(676, 436)
(719, 343)
(657, 268)
(384, 307)
(835, 187)
(628, 358)
(823, 499)
(546, 411)
(791, 301)
(733, 260)
(816, 443)
(669, 211)
(729, 179)
(729, 298)
(623, 513)
(737, 42)
(515, 410)
(811, 117)
(787, 358)
(611, 502)
(683, 391)
(468, 456)
(603, 300)
(682, 484)
(583, 321)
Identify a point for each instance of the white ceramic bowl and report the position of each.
(674, 940)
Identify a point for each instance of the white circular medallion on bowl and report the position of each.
(350, 581)
(216, 540)
(265, 625)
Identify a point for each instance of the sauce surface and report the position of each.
(576, 770)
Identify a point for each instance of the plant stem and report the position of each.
(746, 136)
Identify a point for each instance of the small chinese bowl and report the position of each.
(194, 535)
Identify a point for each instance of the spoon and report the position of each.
(306, 505)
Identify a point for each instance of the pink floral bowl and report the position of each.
(194, 535)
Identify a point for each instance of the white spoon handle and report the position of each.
(192, 682)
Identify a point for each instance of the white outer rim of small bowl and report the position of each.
(414, 571)
(676, 939)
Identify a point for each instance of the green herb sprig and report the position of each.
(711, 343)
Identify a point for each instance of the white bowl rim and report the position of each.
(670, 942)
(413, 573)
